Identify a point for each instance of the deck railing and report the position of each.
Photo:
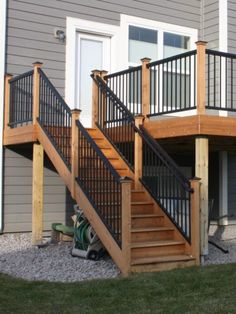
(100, 182)
(173, 84)
(55, 117)
(21, 100)
(220, 80)
(127, 86)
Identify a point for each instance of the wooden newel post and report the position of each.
(7, 101)
(145, 86)
(201, 76)
(74, 149)
(126, 222)
(138, 153)
(195, 219)
(37, 65)
(95, 98)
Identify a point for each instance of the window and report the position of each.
(143, 42)
(175, 44)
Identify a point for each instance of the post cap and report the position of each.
(146, 59)
(76, 110)
(38, 64)
(201, 42)
(95, 71)
(8, 75)
(195, 179)
(125, 179)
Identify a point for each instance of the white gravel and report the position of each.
(52, 263)
(55, 263)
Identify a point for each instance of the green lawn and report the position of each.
(209, 289)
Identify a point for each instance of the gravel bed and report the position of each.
(52, 263)
(55, 263)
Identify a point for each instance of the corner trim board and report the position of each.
(3, 12)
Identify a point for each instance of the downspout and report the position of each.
(3, 17)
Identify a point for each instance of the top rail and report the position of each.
(127, 71)
(23, 75)
(169, 59)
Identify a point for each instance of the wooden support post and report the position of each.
(74, 149)
(36, 84)
(7, 101)
(195, 219)
(201, 171)
(37, 200)
(145, 87)
(126, 223)
(201, 76)
(95, 99)
(103, 73)
(138, 153)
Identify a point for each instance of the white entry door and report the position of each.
(93, 53)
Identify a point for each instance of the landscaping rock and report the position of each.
(51, 263)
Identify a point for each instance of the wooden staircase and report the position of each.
(141, 236)
(155, 242)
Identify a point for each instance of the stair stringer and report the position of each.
(83, 202)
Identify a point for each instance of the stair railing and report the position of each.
(55, 117)
(115, 121)
(108, 193)
(154, 168)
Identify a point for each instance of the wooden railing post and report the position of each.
(201, 77)
(138, 152)
(126, 223)
(195, 219)
(95, 99)
(7, 101)
(36, 83)
(75, 114)
(145, 87)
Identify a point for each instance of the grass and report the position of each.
(209, 289)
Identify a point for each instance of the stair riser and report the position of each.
(147, 222)
(162, 266)
(137, 197)
(142, 209)
(157, 251)
(152, 236)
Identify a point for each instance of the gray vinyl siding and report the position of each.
(58, 206)
(232, 26)
(31, 25)
(211, 23)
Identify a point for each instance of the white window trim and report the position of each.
(3, 9)
(74, 25)
(160, 27)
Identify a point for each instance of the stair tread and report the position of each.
(150, 229)
(142, 203)
(155, 243)
(161, 259)
(147, 215)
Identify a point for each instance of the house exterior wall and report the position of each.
(58, 206)
(210, 23)
(231, 26)
(31, 26)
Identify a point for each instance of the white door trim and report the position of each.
(74, 25)
(3, 12)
